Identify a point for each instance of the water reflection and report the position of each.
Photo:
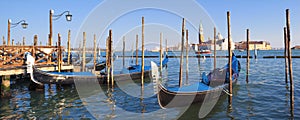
(130, 103)
(54, 102)
(249, 101)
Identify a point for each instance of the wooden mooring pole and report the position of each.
(181, 57)
(137, 50)
(3, 40)
(69, 47)
(8, 32)
(5, 86)
(49, 37)
(160, 51)
(290, 61)
(285, 55)
(59, 53)
(35, 40)
(23, 42)
(50, 28)
(255, 52)
(95, 52)
(198, 49)
(143, 50)
(166, 47)
(12, 42)
(123, 51)
(248, 55)
(110, 57)
(229, 59)
(33, 51)
(107, 60)
(187, 57)
(215, 48)
(80, 49)
(83, 50)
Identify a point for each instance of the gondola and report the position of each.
(203, 52)
(100, 66)
(212, 86)
(131, 73)
(63, 78)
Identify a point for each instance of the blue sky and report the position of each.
(265, 20)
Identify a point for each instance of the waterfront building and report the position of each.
(296, 47)
(259, 45)
(221, 44)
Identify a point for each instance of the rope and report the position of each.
(226, 91)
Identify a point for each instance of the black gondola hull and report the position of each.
(48, 78)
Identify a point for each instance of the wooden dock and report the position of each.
(12, 59)
(14, 56)
(21, 70)
(13, 62)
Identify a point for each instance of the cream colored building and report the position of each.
(259, 45)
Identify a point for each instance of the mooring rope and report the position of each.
(226, 91)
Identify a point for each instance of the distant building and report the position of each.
(259, 45)
(221, 44)
(201, 34)
(296, 47)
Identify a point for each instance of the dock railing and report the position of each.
(14, 56)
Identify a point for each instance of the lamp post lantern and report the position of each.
(56, 17)
(12, 25)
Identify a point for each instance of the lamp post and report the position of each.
(12, 25)
(56, 17)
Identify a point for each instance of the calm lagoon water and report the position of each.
(266, 96)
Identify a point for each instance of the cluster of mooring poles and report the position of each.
(287, 57)
(288, 60)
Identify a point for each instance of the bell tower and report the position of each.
(201, 35)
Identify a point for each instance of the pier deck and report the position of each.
(12, 59)
(22, 69)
